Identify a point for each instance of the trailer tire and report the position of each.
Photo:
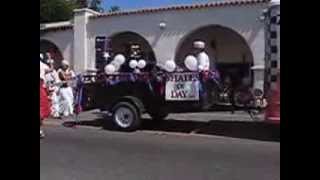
(126, 117)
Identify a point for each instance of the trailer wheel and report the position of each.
(126, 116)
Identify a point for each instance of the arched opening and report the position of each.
(227, 48)
(121, 42)
(49, 47)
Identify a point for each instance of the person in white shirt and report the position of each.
(66, 75)
(209, 97)
(202, 56)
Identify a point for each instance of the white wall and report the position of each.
(63, 40)
(230, 46)
(242, 19)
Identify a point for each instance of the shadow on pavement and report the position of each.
(93, 123)
(248, 130)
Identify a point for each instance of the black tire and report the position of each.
(130, 113)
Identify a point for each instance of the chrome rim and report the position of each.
(123, 117)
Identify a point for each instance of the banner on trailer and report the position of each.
(182, 87)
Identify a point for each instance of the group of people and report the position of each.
(56, 92)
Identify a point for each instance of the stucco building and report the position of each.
(232, 30)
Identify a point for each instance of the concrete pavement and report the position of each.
(84, 153)
(238, 125)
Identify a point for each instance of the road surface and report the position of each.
(90, 153)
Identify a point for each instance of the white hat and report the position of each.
(199, 44)
(64, 62)
(41, 56)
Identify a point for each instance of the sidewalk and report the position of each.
(92, 116)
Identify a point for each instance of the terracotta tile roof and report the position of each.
(183, 7)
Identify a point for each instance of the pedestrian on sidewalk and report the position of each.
(66, 75)
(52, 82)
(44, 99)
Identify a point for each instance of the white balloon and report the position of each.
(142, 63)
(133, 64)
(109, 69)
(191, 63)
(170, 66)
(204, 60)
(120, 59)
(116, 65)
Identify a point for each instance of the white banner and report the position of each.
(182, 87)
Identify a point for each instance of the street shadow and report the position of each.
(92, 123)
(247, 130)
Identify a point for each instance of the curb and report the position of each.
(61, 124)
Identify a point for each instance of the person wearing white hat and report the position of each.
(66, 75)
(210, 88)
(202, 56)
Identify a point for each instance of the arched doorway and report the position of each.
(226, 47)
(49, 47)
(121, 42)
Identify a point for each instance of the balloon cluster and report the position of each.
(199, 63)
(137, 64)
(119, 60)
(115, 65)
(196, 64)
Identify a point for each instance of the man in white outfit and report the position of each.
(209, 96)
(202, 56)
(66, 75)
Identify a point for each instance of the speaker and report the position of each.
(101, 46)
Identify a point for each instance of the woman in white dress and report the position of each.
(66, 75)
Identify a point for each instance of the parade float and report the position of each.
(129, 85)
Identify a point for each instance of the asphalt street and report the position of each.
(91, 153)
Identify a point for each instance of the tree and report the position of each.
(82, 3)
(62, 10)
(114, 9)
(56, 10)
(96, 5)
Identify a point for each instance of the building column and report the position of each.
(258, 52)
(80, 50)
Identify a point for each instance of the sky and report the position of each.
(139, 4)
